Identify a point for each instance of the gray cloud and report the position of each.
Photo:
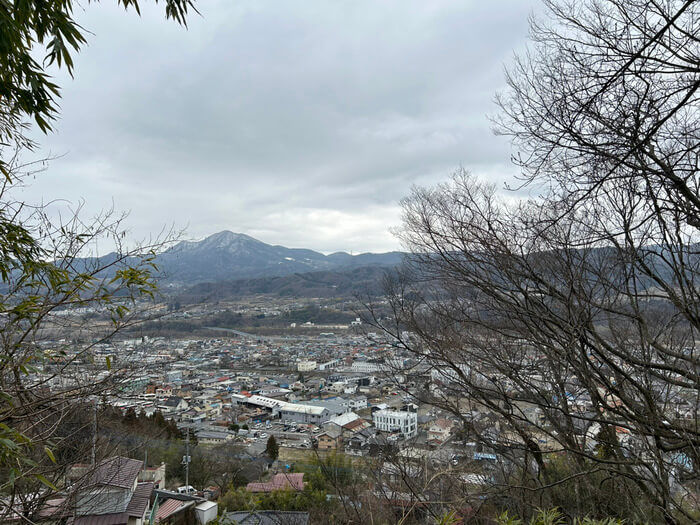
(301, 123)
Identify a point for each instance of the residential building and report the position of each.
(111, 493)
(440, 430)
(331, 439)
(356, 403)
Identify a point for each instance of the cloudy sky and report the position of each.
(301, 123)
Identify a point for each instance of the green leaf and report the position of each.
(45, 481)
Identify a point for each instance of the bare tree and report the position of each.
(60, 305)
(608, 93)
(562, 331)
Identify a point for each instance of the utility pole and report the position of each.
(186, 461)
(94, 432)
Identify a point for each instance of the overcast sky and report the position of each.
(301, 123)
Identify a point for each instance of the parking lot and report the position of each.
(287, 434)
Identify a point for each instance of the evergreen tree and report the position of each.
(272, 449)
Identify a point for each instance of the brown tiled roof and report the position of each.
(354, 424)
(144, 489)
(139, 501)
(120, 518)
(117, 471)
(279, 482)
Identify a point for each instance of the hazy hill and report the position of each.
(357, 281)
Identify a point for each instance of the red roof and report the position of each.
(354, 424)
(279, 482)
(169, 507)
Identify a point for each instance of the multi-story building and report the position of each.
(365, 367)
(306, 366)
(396, 421)
(356, 403)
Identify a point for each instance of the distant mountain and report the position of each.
(228, 256)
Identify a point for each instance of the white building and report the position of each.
(306, 366)
(364, 367)
(395, 420)
(300, 413)
(297, 412)
(356, 402)
(330, 365)
(337, 387)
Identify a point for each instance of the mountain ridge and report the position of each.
(228, 256)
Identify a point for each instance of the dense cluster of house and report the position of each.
(345, 388)
(347, 393)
